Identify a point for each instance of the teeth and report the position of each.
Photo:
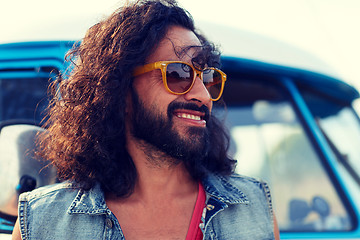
(189, 116)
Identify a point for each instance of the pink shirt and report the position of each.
(194, 232)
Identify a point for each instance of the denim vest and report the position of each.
(237, 207)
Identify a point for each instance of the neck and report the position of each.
(159, 175)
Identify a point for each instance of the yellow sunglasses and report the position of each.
(179, 77)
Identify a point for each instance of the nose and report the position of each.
(199, 93)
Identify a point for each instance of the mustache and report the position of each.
(189, 106)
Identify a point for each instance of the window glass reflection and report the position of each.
(269, 142)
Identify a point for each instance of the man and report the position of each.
(131, 131)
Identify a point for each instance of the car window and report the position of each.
(341, 128)
(23, 98)
(270, 143)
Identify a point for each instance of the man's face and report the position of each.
(174, 124)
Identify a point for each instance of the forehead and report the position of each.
(172, 46)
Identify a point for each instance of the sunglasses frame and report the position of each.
(162, 65)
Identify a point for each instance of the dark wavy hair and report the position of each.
(86, 116)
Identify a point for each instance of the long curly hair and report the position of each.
(85, 137)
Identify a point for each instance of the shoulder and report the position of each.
(58, 197)
(242, 181)
(44, 207)
(234, 180)
(65, 197)
(236, 188)
(55, 191)
(245, 204)
(62, 206)
(238, 178)
(252, 187)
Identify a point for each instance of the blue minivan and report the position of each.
(294, 128)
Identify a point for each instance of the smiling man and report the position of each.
(131, 131)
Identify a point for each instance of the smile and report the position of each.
(191, 116)
(188, 116)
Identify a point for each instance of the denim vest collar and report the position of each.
(222, 189)
(220, 194)
(89, 202)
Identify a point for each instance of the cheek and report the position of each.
(152, 92)
(149, 87)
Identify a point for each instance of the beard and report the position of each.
(190, 148)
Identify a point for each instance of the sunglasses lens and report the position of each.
(213, 82)
(179, 77)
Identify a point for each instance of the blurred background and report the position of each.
(327, 29)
